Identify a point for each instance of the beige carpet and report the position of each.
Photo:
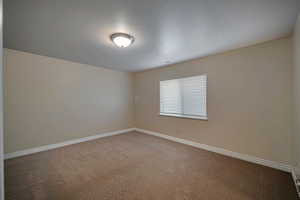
(136, 166)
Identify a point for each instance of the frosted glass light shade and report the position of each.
(122, 40)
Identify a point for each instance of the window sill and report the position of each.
(184, 116)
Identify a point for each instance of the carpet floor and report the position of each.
(137, 166)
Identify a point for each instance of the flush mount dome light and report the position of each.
(122, 39)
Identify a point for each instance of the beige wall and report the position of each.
(49, 100)
(249, 101)
(296, 97)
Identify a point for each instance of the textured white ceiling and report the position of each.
(166, 31)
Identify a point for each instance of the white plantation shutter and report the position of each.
(186, 96)
(194, 95)
(170, 97)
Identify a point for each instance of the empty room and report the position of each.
(150, 100)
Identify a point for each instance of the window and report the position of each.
(185, 97)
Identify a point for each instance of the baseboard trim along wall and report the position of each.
(295, 178)
(245, 157)
(62, 144)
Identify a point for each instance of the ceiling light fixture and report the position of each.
(122, 40)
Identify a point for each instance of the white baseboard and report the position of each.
(245, 157)
(240, 156)
(294, 175)
(66, 143)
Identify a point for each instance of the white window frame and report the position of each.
(199, 117)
